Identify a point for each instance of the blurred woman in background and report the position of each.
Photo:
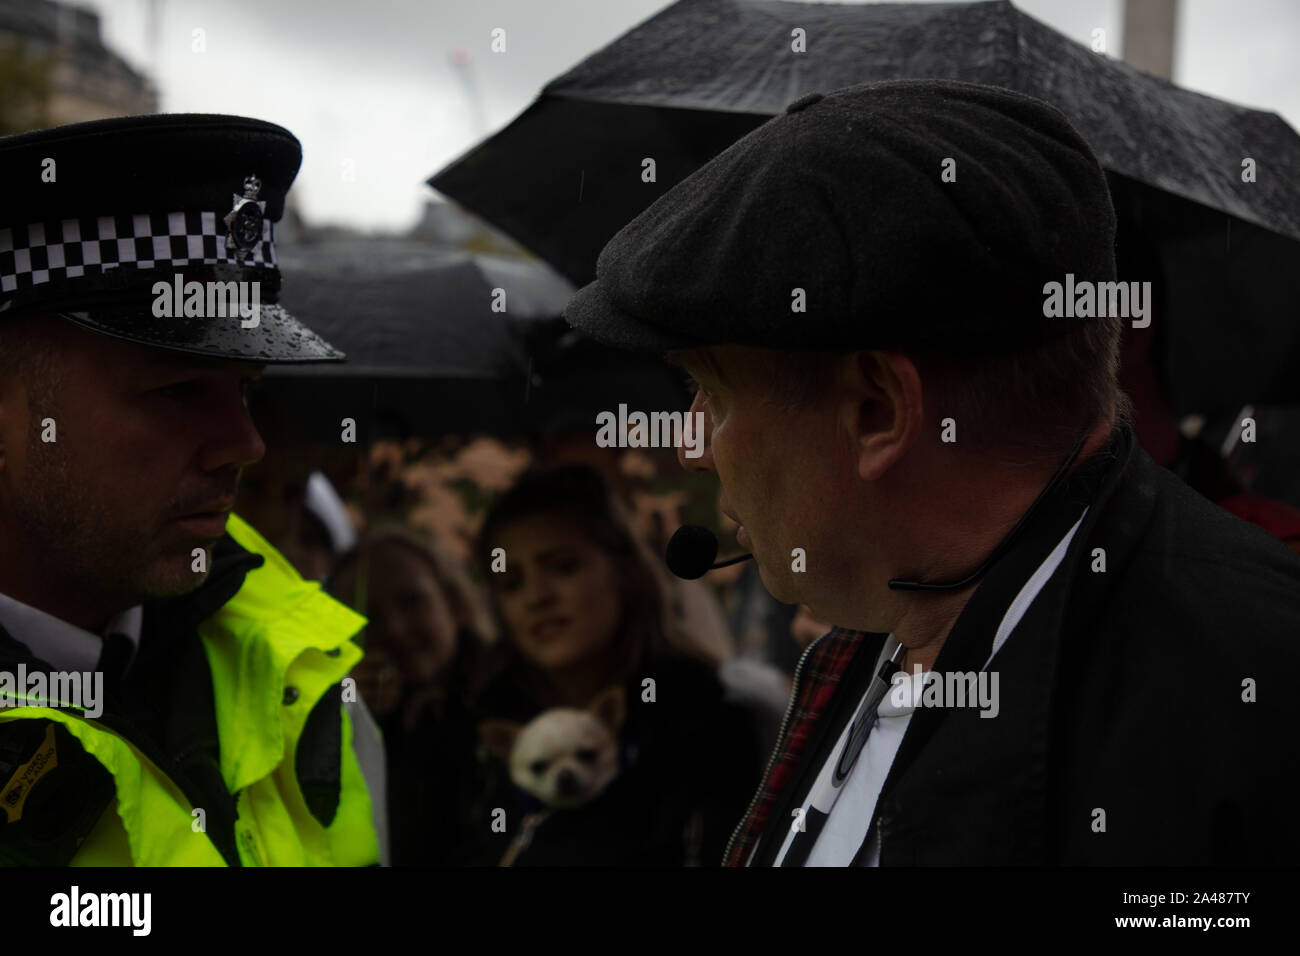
(581, 607)
(427, 627)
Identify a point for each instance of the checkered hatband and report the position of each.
(77, 252)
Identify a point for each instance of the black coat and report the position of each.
(431, 769)
(690, 761)
(1121, 693)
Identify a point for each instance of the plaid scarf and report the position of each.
(816, 678)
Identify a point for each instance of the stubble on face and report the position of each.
(105, 447)
(93, 544)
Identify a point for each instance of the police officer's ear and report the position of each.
(881, 408)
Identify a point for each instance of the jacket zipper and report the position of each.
(780, 737)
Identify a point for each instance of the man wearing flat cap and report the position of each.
(1049, 651)
(170, 689)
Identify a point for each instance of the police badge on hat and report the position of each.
(93, 250)
(245, 220)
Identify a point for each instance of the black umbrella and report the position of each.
(428, 355)
(427, 352)
(401, 309)
(574, 378)
(567, 173)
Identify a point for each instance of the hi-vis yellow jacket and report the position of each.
(275, 650)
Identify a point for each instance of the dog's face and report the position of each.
(563, 756)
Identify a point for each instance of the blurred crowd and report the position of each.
(546, 598)
(560, 600)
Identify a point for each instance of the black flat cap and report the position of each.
(96, 215)
(844, 197)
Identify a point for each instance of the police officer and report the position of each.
(921, 447)
(170, 689)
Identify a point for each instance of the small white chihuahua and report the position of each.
(564, 757)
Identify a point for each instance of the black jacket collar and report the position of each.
(230, 563)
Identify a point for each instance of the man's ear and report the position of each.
(883, 410)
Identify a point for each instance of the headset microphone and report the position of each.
(691, 551)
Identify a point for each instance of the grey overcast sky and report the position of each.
(371, 82)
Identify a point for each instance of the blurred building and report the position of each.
(55, 69)
(449, 224)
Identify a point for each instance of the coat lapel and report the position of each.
(997, 772)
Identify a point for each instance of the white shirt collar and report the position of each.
(66, 646)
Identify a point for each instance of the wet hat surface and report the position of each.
(910, 214)
(159, 230)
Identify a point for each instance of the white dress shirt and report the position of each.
(64, 645)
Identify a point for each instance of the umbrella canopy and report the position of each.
(428, 355)
(681, 87)
(574, 378)
(403, 309)
(426, 351)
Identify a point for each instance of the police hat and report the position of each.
(907, 215)
(97, 217)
